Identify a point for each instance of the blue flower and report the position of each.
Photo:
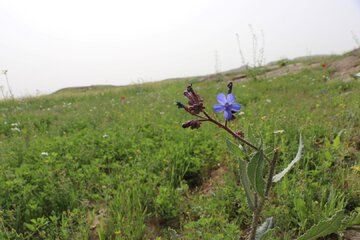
(226, 104)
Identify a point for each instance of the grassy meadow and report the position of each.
(115, 163)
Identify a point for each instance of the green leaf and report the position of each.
(243, 165)
(238, 150)
(264, 228)
(353, 219)
(255, 172)
(30, 227)
(280, 175)
(328, 156)
(325, 227)
(337, 141)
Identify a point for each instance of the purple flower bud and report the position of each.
(193, 124)
(186, 124)
(195, 101)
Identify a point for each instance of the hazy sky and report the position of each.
(47, 44)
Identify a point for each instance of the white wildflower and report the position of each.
(279, 131)
(45, 154)
(15, 129)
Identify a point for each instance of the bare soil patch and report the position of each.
(216, 179)
(346, 67)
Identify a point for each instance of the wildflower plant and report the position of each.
(252, 162)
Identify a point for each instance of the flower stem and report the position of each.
(259, 206)
(196, 115)
(229, 131)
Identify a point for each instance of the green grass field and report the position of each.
(115, 163)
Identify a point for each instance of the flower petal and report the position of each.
(227, 114)
(221, 98)
(235, 107)
(231, 98)
(218, 108)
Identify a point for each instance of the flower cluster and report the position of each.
(195, 107)
(195, 101)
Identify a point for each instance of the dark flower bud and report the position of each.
(230, 85)
(180, 105)
(193, 124)
(189, 88)
(186, 124)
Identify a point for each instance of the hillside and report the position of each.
(115, 163)
(342, 67)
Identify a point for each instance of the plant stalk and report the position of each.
(259, 206)
(230, 131)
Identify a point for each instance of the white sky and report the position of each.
(47, 45)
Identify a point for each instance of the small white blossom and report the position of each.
(15, 129)
(279, 131)
(45, 154)
(105, 136)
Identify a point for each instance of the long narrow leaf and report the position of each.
(245, 181)
(243, 165)
(325, 227)
(280, 175)
(255, 171)
(264, 228)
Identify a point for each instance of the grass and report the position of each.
(123, 149)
